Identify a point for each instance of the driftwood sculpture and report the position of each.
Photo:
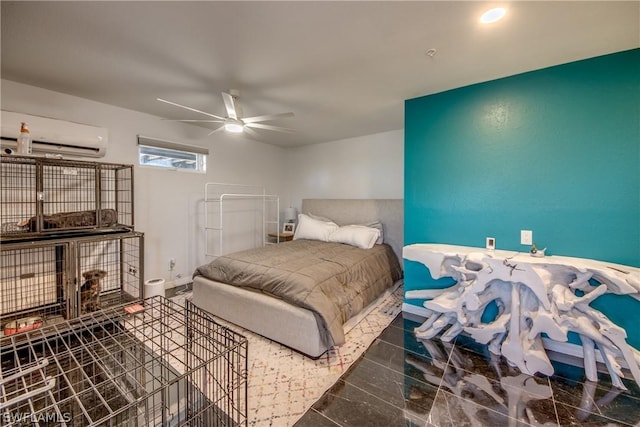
(548, 295)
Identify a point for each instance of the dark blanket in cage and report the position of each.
(64, 220)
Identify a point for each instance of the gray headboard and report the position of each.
(357, 211)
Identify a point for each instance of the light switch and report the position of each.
(526, 237)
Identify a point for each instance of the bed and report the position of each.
(305, 327)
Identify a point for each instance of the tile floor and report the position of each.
(401, 381)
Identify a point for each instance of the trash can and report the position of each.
(153, 287)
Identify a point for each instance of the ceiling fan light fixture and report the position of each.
(234, 126)
(493, 15)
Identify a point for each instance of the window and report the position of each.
(171, 155)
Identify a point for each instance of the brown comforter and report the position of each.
(333, 280)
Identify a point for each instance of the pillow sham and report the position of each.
(355, 235)
(313, 229)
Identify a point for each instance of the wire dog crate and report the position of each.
(43, 195)
(162, 366)
(51, 279)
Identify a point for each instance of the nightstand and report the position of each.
(282, 237)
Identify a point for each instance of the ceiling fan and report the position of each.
(234, 122)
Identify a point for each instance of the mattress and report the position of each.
(333, 281)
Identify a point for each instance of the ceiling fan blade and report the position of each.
(269, 127)
(230, 105)
(193, 121)
(190, 109)
(266, 117)
(251, 132)
(216, 130)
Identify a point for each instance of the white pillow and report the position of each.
(320, 218)
(359, 236)
(313, 229)
(373, 224)
(377, 225)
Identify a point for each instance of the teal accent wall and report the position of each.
(556, 151)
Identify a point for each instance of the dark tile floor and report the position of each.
(402, 381)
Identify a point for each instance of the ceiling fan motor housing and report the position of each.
(234, 125)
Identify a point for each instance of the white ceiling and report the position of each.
(344, 68)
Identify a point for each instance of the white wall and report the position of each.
(370, 166)
(168, 204)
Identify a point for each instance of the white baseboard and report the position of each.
(177, 282)
(414, 309)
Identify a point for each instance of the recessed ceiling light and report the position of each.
(493, 15)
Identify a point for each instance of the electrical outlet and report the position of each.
(526, 237)
(172, 264)
(490, 243)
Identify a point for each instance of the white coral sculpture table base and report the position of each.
(549, 295)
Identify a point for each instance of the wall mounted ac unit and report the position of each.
(52, 136)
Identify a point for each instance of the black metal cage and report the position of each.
(41, 195)
(53, 279)
(150, 363)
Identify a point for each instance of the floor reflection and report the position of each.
(506, 395)
(405, 381)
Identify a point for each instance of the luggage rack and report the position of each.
(149, 363)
